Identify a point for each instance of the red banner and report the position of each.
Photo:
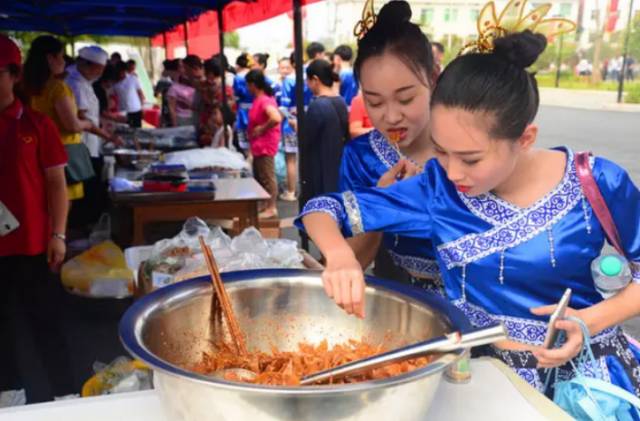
(203, 32)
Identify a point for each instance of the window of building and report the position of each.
(426, 16)
(450, 15)
(565, 10)
(473, 14)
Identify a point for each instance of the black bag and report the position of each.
(79, 166)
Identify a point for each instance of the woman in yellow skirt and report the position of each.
(49, 94)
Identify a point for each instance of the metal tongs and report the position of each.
(441, 344)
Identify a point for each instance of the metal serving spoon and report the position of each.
(448, 343)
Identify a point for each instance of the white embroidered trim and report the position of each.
(385, 152)
(353, 212)
(527, 224)
(419, 266)
(327, 205)
(528, 331)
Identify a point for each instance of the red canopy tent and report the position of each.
(202, 34)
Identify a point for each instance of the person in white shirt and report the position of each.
(89, 66)
(130, 96)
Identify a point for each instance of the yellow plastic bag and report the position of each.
(100, 271)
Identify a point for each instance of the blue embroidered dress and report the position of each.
(501, 259)
(243, 100)
(365, 159)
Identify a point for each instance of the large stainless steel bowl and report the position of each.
(170, 328)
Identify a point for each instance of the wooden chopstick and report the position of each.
(221, 293)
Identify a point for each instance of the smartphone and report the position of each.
(558, 314)
(8, 222)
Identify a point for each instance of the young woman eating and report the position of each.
(509, 221)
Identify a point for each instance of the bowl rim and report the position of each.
(130, 327)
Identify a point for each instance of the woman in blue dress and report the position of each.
(244, 100)
(510, 223)
(395, 69)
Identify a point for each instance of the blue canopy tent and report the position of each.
(143, 18)
(101, 17)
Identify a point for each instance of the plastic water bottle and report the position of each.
(611, 274)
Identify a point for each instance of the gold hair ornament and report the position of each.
(367, 21)
(513, 19)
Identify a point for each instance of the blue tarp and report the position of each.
(101, 17)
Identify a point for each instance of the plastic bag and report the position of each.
(181, 258)
(101, 231)
(100, 271)
(122, 375)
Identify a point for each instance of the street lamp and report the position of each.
(624, 54)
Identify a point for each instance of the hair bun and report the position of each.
(521, 49)
(394, 13)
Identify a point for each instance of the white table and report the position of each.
(494, 393)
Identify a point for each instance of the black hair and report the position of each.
(496, 84)
(212, 66)
(314, 49)
(292, 58)
(261, 59)
(120, 67)
(36, 67)
(345, 52)
(393, 32)
(116, 55)
(243, 60)
(171, 65)
(257, 78)
(192, 61)
(323, 70)
(131, 63)
(109, 74)
(438, 46)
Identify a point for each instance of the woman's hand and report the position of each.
(56, 251)
(402, 170)
(555, 357)
(258, 131)
(343, 281)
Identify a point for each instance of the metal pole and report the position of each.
(297, 35)
(164, 41)
(624, 54)
(559, 61)
(151, 66)
(73, 46)
(186, 36)
(223, 82)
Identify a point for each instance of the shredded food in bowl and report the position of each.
(284, 368)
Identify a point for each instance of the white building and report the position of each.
(332, 21)
(439, 18)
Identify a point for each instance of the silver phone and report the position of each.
(558, 314)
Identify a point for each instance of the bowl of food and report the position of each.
(288, 323)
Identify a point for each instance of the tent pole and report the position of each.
(299, 95)
(186, 36)
(164, 41)
(223, 82)
(151, 66)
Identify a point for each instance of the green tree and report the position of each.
(634, 37)
(232, 39)
(568, 56)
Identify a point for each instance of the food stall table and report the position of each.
(233, 198)
(494, 393)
